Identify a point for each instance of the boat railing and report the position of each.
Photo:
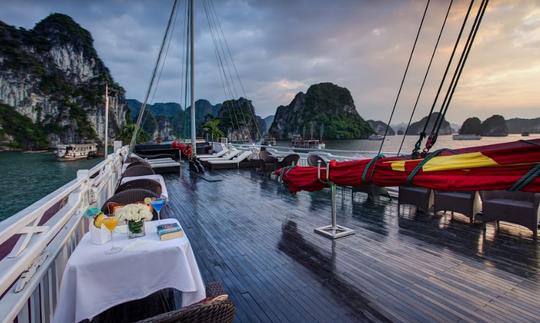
(328, 154)
(36, 242)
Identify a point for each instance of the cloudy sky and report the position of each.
(280, 47)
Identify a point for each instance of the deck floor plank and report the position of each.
(255, 238)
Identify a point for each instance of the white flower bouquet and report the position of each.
(134, 212)
(134, 215)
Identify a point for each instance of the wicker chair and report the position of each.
(461, 202)
(139, 163)
(133, 158)
(289, 160)
(267, 161)
(129, 196)
(417, 196)
(143, 183)
(138, 170)
(313, 160)
(219, 311)
(515, 207)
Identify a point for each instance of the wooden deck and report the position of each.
(250, 234)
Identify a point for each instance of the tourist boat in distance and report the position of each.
(525, 134)
(466, 137)
(76, 151)
(299, 142)
(375, 137)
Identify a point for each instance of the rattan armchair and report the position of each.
(139, 163)
(142, 183)
(420, 197)
(289, 160)
(127, 197)
(521, 208)
(316, 160)
(217, 311)
(139, 170)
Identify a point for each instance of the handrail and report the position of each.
(21, 271)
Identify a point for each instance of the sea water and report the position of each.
(27, 177)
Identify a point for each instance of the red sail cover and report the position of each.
(491, 167)
(184, 149)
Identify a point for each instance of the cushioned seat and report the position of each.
(466, 203)
(515, 207)
(417, 196)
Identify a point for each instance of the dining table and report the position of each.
(95, 280)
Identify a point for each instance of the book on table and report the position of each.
(169, 231)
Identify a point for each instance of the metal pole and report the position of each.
(105, 151)
(192, 63)
(334, 207)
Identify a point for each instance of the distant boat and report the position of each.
(525, 134)
(76, 151)
(376, 137)
(466, 137)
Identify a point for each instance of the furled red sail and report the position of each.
(513, 165)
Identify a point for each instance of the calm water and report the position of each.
(28, 177)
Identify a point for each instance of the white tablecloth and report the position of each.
(157, 178)
(94, 281)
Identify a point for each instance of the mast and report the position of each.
(192, 69)
(105, 151)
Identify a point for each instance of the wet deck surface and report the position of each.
(255, 238)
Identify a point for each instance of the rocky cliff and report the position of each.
(323, 105)
(52, 75)
(416, 127)
(379, 127)
(520, 125)
(471, 126)
(494, 126)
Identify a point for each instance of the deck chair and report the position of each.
(215, 155)
(420, 197)
(465, 203)
(233, 163)
(228, 155)
(515, 207)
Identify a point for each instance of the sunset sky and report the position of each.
(281, 47)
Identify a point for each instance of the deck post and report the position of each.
(332, 231)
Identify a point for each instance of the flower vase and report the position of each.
(135, 229)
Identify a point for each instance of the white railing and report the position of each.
(48, 232)
(326, 154)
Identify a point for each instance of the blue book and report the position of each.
(169, 231)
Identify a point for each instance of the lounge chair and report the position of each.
(227, 156)
(515, 207)
(420, 197)
(142, 183)
(467, 203)
(218, 154)
(138, 170)
(232, 163)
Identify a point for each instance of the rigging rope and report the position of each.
(212, 8)
(152, 79)
(425, 76)
(457, 74)
(423, 133)
(404, 76)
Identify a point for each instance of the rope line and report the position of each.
(423, 133)
(425, 76)
(404, 76)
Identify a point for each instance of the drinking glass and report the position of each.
(110, 223)
(157, 204)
